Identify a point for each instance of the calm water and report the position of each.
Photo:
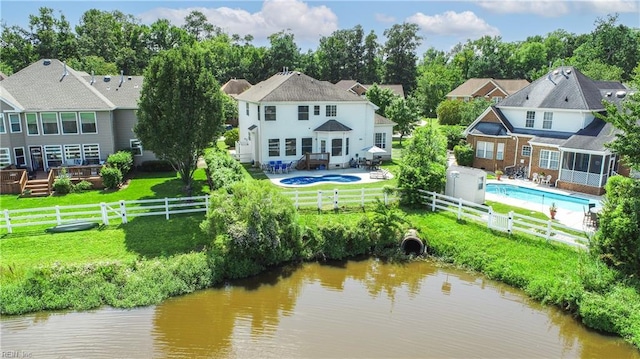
(356, 309)
(308, 180)
(538, 197)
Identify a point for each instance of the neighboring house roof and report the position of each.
(292, 86)
(473, 87)
(360, 89)
(563, 88)
(381, 120)
(332, 126)
(122, 91)
(2, 76)
(235, 87)
(49, 85)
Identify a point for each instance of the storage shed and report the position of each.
(467, 183)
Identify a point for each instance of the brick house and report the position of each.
(550, 127)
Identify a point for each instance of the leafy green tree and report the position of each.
(400, 55)
(436, 78)
(470, 110)
(222, 170)
(371, 61)
(448, 112)
(17, 50)
(381, 97)
(404, 113)
(282, 53)
(254, 228)
(164, 36)
(464, 154)
(529, 61)
(94, 64)
(490, 58)
(181, 108)
(424, 164)
(197, 25)
(340, 54)
(618, 238)
(389, 224)
(51, 37)
(453, 133)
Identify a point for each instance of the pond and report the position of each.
(356, 309)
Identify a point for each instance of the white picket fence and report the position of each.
(509, 223)
(123, 211)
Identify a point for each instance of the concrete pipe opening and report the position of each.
(412, 244)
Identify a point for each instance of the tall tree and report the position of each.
(283, 53)
(371, 61)
(164, 36)
(491, 58)
(16, 48)
(197, 25)
(381, 97)
(400, 55)
(404, 112)
(100, 33)
(181, 108)
(436, 78)
(43, 30)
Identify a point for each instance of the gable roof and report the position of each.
(122, 91)
(593, 137)
(563, 88)
(470, 87)
(360, 89)
(235, 86)
(381, 120)
(477, 127)
(49, 85)
(291, 86)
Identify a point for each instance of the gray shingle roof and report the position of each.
(235, 86)
(41, 86)
(122, 91)
(293, 86)
(332, 126)
(381, 120)
(593, 137)
(562, 88)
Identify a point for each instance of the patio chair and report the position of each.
(587, 216)
(535, 178)
(547, 180)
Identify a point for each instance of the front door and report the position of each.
(35, 153)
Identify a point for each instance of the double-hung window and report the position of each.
(484, 149)
(307, 145)
(88, 122)
(336, 147)
(290, 147)
(316, 110)
(500, 152)
(547, 120)
(14, 123)
(303, 113)
(49, 123)
(549, 159)
(32, 124)
(69, 123)
(331, 111)
(531, 119)
(269, 113)
(526, 151)
(274, 147)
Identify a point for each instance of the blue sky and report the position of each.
(442, 23)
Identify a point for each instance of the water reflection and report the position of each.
(360, 309)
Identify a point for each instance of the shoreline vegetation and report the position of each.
(151, 259)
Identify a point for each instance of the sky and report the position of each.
(442, 23)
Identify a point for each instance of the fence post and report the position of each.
(510, 222)
(105, 215)
(335, 199)
(58, 219)
(166, 208)
(490, 217)
(319, 201)
(433, 201)
(459, 208)
(7, 220)
(123, 211)
(206, 204)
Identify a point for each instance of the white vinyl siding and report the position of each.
(484, 149)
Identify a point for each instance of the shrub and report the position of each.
(464, 154)
(453, 133)
(82, 186)
(156, 166)
(62, 184)
(222, 169)
(231, 137)
(111, 177)
(122, 160)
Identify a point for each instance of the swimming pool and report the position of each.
(308, 180)
(539, 197)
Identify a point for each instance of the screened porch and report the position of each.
(590, 169)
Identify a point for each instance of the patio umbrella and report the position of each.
(371, 150)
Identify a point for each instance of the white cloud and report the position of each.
(543, 8)
(464, 24)
(607, 6)
(307, 23)
(383, 18)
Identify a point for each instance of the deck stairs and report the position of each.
(37, 188)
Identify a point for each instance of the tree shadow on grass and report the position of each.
(175, 188)
(155, 236)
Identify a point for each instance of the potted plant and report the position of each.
(552, 210)
(499, 174)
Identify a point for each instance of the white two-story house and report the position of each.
(550, 127)
(291, 114)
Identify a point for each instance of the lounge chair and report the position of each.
(379, 174)
(547, 180)
(535, 178)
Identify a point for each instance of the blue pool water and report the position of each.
(539, 197)
(304, 180)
